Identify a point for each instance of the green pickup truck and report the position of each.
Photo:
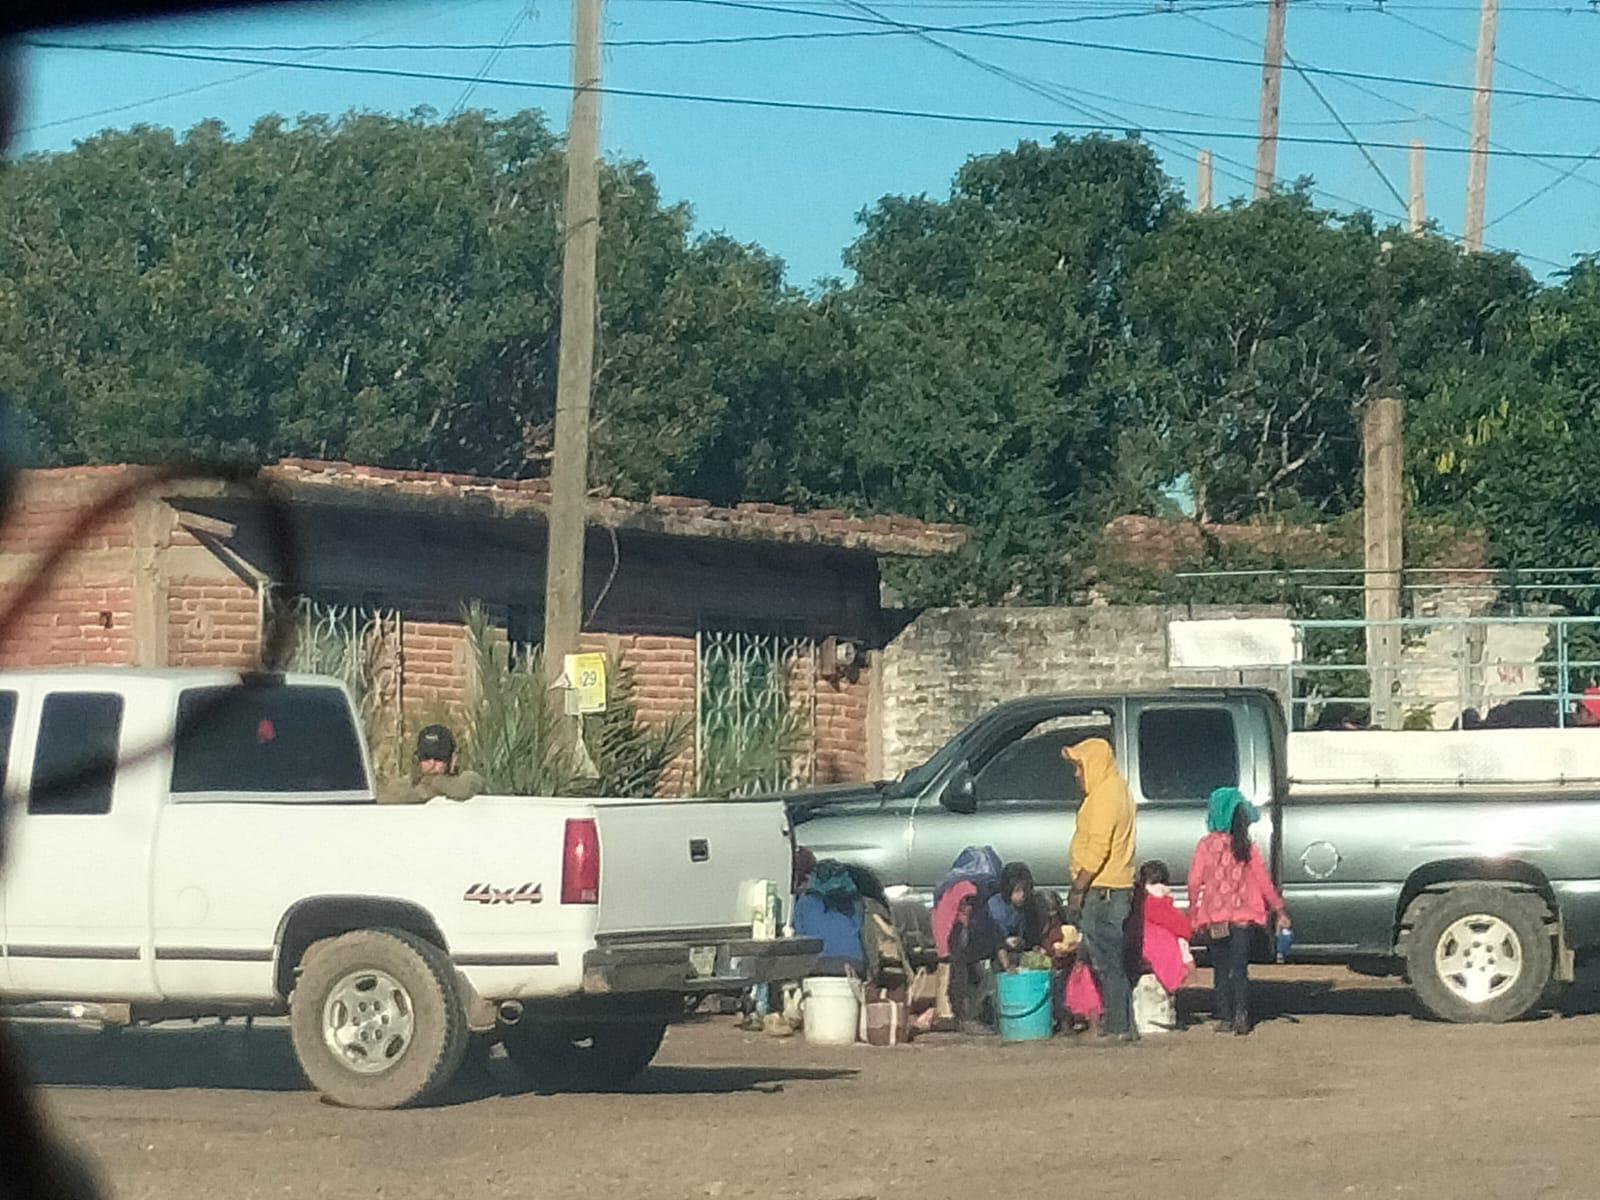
(1481, 895)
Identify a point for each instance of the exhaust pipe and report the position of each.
(510, 1012)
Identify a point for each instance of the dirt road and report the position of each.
(1351, 1096)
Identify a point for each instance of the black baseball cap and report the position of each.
(436, 742)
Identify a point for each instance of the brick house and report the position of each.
(700, 601)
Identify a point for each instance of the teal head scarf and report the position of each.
(1219, 817)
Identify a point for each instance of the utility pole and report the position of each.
(1382, 520)
(1416, 211)
(1271, 87)
(1383, 501)
(1482, 90)
(569, 477)
(1202, 191)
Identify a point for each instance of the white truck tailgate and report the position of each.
(668, 865)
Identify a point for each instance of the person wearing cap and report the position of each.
(436, 774)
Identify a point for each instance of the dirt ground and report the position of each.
(1342, 1091)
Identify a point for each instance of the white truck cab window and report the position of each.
(266, 739)
(75, 760)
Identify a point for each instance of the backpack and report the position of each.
(886, 953)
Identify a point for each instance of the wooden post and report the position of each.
(1383, 519)
(1202, 191)
(152, 537)
(1416, 211)
(1478, 159)
(569, 476)
(1271, 87)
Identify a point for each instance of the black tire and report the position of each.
(1501, 943)
(399, 1070)
(598, 1059)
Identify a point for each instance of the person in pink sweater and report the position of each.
(1230, 897)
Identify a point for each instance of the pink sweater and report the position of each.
(1225, 891)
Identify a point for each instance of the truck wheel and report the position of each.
(594, 1060)
(1480, 954)
(376, 1019)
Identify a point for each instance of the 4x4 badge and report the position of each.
(483, 893)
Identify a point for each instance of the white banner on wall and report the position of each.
(1232, 643)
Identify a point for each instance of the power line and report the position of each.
(1562, 175)
(130, 106)
(494, 56)
(1544, 191)
(1049, 90)
(1554, 10)
(738, 39)
(1462, 45)
(792, 105)
(1349, 133)
(999, 34)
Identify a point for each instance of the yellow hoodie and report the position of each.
(1102, 839)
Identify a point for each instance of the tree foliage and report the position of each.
(1056, 341)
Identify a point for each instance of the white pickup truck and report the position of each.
(187, 844)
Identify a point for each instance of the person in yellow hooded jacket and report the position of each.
(1102, 862)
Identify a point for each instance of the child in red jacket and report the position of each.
(1162, 959)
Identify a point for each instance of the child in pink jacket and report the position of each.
(1230, 897)
(1163, 959)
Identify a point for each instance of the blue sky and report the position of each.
(794, 181)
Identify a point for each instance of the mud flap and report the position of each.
(1564, 969)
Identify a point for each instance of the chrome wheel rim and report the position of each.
(1479, 958)
(368, 1021)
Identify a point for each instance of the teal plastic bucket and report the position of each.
(1025, 1006)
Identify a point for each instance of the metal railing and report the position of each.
(1566, 661)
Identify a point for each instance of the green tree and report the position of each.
(1261, 328)
(1513, 443)
(982, 345)
(373, 288)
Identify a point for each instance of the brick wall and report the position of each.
(436, 671)
(213, 622)
(85, 614)
(950, 666)
(663, 688)
(842, 728)
(72, 625)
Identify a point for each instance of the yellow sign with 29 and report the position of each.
(586, 682)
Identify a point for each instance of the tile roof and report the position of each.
(342, 483)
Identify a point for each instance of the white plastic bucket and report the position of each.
(832, 1010)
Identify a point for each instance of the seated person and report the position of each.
(831, 908)
(974, 944)
(435, 774)
(1009, 909)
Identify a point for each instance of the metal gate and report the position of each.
(362, 646)
(755, 711)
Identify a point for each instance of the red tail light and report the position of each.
(580, 863)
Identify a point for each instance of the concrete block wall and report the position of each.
(950, 666)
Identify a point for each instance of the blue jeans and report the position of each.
(1105, 916)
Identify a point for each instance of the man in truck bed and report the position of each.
(436, 773)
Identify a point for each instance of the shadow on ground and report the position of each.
(1348, 994)
(233, 1058)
